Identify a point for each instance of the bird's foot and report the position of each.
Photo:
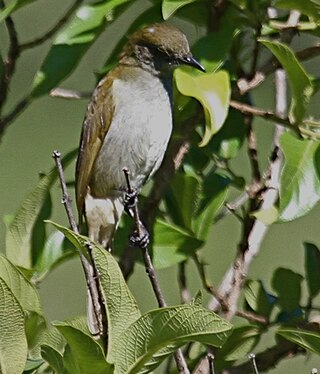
(130, 200)
(140, 238)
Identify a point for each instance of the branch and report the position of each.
(18, 109)
(179, 358)
(47, 35)
(269, 358)
(90, 271)
(11, 59)
(232, 282)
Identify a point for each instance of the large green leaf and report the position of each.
(12, 7)
(19, 235)
(21, 288)
(13, 342)
(228, 141)
(309, 7)
(148, 341)
(169, 7)
(240, 343)
(72, 42)
(287, 285)
(83, 354)
(312, 267)
(213, 91)
(300, 83)
(299, 183)
(258, 299)
(214, 193)
(56, 249)
(172, 244)
(54, 358)
(182, 199)
(306, 339)
(121, 307)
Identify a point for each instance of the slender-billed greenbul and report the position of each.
(128, 125)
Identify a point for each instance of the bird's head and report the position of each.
(160, 47)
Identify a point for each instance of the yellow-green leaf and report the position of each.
(213, 92)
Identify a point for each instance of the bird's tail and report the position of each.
(103, 217)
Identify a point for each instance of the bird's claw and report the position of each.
(130, 200)
(140, 239)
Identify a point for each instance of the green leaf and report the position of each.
(287, 285)
(213, 91)
(182, 198)
(72, 43)
(299, 183)
(53, 358)
(228, 141)
(172, 244)
(19, 234)
(54, 252)
(306, 339)
(12, 7)
(21, 288)
(169, 7)
(13, 342)
(240, 343)
(83, 354)
(300, 83)
(121, 307)
(267, 216)
(36, 331)
(312, 267)
(309, 7)
(258, 299)
(215, 190)
(32, 365)
(158, 333)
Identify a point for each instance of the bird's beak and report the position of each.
(191, 61)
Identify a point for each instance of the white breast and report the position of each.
(138, 135)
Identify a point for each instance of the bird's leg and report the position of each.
(130, 201)
(140, 236)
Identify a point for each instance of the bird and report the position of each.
(127, 125)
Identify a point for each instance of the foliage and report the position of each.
(215, 120)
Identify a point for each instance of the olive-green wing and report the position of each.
(95, 127)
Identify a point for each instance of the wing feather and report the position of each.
(94, 129)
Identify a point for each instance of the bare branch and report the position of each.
(11, 59)
(47, 35)
(88, 265)
(179, 358)
(269, 358)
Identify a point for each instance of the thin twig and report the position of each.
(10, 61)
(252, 358)
(47, 35)
(269, 358)
(210, 358)
(89, 267)
(179, 358)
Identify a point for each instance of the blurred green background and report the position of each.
(52, 123)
